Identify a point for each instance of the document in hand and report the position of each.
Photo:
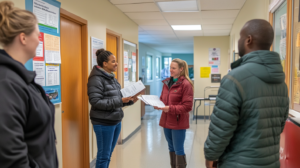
(133, 89)
(152, 100)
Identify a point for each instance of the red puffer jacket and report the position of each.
(179, 98)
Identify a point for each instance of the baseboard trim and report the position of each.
(201, 117)
(131, 135)
(93, 163)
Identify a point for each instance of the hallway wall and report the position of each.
(252, 9)
(201, 47)
(155, 84)
(189, 58)
(101, 15)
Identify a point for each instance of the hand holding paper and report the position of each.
(152, 100)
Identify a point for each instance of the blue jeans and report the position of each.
(107, 137)
(175, 140)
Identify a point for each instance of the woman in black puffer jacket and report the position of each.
(107, 102)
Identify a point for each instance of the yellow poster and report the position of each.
(205, 72)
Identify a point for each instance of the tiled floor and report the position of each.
(148, 148)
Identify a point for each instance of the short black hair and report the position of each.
(261, 31)
(102, 56)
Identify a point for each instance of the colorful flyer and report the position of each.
(39, 56)
(205, 72)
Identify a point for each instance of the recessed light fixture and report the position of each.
(186, 27)
(178, 6)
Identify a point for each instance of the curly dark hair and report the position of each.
(102, 56)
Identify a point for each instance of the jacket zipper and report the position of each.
(168, 99)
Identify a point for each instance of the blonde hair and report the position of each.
(14, 21)
(182, 64)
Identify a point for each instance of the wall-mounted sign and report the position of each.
(215, 78)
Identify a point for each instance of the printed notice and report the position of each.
(39, 54)
(205, 72)
(215, 69)
(47, 14)
(39, 68)
(52, 49)
(52, 74)
(133, 62)
(96, 45)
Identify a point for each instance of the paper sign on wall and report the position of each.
(52, 74)
(215, 69)
(214, 56)
(39, 56)
(96, 45)
(52, 49)
(39, 68)
(205, 72)
(47, 14)
(133, 62)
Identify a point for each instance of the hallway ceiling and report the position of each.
(215, 16)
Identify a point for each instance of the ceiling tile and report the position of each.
(178, 6)
(182, 15)
(153, 28)
(151, 22)
(184, 22)
(220, 14)
(145, 15)
(221, 4)
(216, 27)
(144, 7)
(189, 33)
(218, 21)
(160, 32)
(216, 34)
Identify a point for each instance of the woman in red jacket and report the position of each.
(177, 95)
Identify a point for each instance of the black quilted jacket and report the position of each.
(105, 97)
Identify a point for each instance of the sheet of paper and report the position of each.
(96, 45)
(39, 68)
(52, 75)
(133, 89)
(47, 14)
(133, 62)
(205, 72)
(52, 49)
(153, 100)
(143, 100)
(39, 52)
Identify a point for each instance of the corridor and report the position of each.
(148, 148)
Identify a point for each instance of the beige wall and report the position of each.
(201, 47)
(101, 15)
(252, 9)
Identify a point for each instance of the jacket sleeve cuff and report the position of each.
(172, 109)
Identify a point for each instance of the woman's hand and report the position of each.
(126, 99)
(135, 99)
(165, 109)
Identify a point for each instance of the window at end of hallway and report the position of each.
(157, 68)
(149, 68)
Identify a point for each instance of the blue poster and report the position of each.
(48, 15)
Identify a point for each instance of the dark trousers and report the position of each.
(175, 140)
(107, 137)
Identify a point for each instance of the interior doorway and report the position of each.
(74, 75)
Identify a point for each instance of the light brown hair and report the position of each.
(14, 21)
(182, 64)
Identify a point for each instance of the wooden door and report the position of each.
(112, 46)
(72, 94)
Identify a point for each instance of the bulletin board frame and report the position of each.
(124, 59)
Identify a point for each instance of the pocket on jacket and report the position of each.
(172, 120)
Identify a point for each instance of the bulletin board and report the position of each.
(130, 60)
(47, 61)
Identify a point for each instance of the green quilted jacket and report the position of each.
(250, 113)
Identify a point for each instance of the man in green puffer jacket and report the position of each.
(252, 105)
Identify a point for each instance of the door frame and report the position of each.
(120, 53)
(85, 70)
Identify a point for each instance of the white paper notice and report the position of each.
(96, 45)
(39, 68)
(47, 14)
(52, 49)
(52, 74)
(133, 62)
(133, 89)
(39, 50)
(125, 60)
(153, 100)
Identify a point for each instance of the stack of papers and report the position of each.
(152, 100)
(132, 90)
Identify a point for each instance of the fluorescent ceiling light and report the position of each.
(178, 6)
(186, 27)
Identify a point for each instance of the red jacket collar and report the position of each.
(180, 79)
